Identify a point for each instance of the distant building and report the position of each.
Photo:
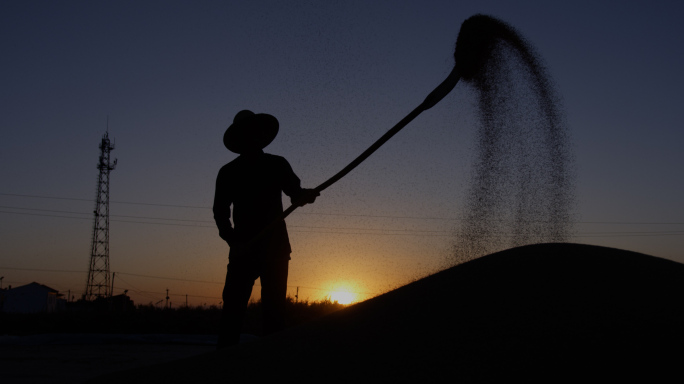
(30, 298)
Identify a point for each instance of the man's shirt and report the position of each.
(253, 184)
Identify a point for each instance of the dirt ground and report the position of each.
(59, 360)
(540, 313)
(544, 313)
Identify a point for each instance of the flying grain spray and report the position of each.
(522, 183)
(521, 189)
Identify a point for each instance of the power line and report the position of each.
(40, 270)
(118, 277)
(168, 278)
(138, 290)
(291, 226)
(117, 274)
(45, 210)
(114, 220)
(320, 213)
(316, 229)
(90, 213)
(407, 232)
(198, 221)
(147, 293)
(195, 221)
(213, 226)
(111, 201)
(369, 231)
(204, 207)
(221, 283)
(44, 215)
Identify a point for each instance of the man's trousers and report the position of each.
(242, 272)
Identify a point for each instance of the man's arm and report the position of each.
(222, 202)
(307, 196)
(291, 186)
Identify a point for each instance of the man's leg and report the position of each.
(274, 293)
(236, 293)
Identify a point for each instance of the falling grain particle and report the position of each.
(522, 183)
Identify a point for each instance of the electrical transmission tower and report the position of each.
(98, 275)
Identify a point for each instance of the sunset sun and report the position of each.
(342, 296)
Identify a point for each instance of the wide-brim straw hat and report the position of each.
(250, 131)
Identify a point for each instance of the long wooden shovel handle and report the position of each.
(433, 98)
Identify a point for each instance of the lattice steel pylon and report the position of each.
(98, 284)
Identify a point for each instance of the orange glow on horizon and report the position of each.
(343, 296)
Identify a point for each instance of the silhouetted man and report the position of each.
(253, 183)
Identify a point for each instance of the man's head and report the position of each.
(250, 132)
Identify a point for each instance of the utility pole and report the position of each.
(111, 292)
(98, 284)
(167, 298)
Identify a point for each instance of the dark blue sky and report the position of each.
(171, 75)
